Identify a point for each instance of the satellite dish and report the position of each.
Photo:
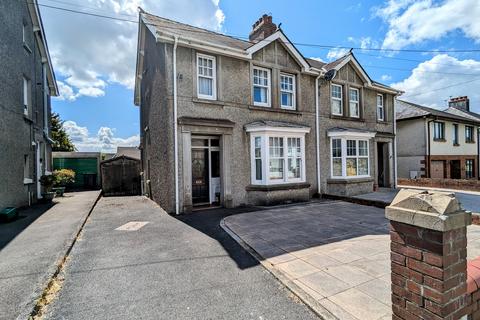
(330, 74)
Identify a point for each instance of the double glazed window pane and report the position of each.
(287, 90)
(258, 158)
(355, 160)
(354, 103)
(351, 147)
(294, 157)
(205, 76)
(351, 167)
(362, 148)
(205, 86)
(276, 157)
(260, 94)
(363, 166)
(337, 99)
(260, 85)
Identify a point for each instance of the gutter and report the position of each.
(175, 125)
(317, 134)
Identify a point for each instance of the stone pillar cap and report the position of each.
(439, 211)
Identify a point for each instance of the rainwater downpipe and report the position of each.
(175, 126)
(429, 147)
(395, 160)
(317, 135)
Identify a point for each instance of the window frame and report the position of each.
(265, 159)
(472, 134)
(213, 77)
(344, 156)
(380, 114)
(268, 87)
(357, 102)
(455, 141)
(27, 95)
(442, 126)
(472, 169)
(336, 99)
(292, 92)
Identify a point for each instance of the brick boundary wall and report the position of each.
(465, 184)
(429, 272)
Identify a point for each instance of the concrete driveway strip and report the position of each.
(32, 246)
(136, 262)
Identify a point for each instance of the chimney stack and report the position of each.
(462, 103)
(262, 28)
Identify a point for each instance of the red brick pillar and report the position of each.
(428, 256)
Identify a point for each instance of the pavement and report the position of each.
(470, 200)
(32, 246)
(334, 255)
(134, 261)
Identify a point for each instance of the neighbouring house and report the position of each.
(121, 176)
(231, 122)
(435, 144)
(132, 152)
(28, 82)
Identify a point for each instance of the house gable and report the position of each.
(276, 53)
(349, 73)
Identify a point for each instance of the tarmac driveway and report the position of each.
(133, 261)
(334, 254)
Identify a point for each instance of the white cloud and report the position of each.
(386, 77)
(428, 87)
(363, 42)
(412, 22)
(105, 139)
(92, 52)
(336, 53)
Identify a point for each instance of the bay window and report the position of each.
(287, 88)
(206, 77)
(261, 87)
(277, 157)
(350, 157)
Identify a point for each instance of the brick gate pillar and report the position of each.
(428, 255)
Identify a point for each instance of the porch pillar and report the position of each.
(186, 197)
(428, 256)
(226, 175)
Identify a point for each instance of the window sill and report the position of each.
(456, 145)
(439, 140)
(343, 180)
(275, 187)
(276, 110)
(27, 181)
(338, 117)
(208, 101)
(383, 122)
(471, 142)
(27, 118)
(27, 48)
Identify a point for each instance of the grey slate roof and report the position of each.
(463, 113)
(315, 63)
(409, 110)
(188, 31)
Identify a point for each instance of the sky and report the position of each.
(429, 49)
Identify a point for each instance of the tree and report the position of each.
(60, 136)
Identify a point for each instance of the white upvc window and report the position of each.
(206, 77)
(354, 102)
(26, 96)
(349, 157)
(337, 100)
(277, 158)
(287, 91)
(261, 87)
(380, 108)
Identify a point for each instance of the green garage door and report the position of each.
(86, 170)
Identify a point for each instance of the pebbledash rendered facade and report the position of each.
(27, 83)
(231, 122)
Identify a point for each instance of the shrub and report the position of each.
(47, 182)
(64, 177)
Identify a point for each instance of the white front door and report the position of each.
(38, 148)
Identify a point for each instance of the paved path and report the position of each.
(334, 254)
(470, 200)
(170, 268)
(32, 246)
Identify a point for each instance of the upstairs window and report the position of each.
(27, 100)
(337, 100)
(380, 108)
(469, 138)
(455, 134)
(439, 131)
(354, 102)
(206, 77)
(287, 88)
(261, 87)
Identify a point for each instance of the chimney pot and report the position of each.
(262, 28)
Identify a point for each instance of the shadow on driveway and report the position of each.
(208, 222)
(9, 230)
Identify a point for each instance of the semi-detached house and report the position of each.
(231, 122)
